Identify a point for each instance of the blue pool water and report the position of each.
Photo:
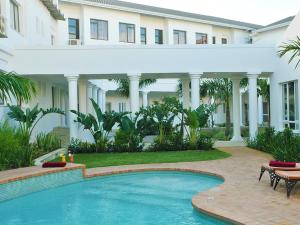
(148, 198)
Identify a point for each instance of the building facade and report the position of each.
(74, 47)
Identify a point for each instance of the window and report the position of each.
(179, 37)
(290, 114)
(214, 40)
(127, 32)
(201, 38)
(265, 112)
(14, 16)
(143, 35)
(99, 29)
(122, 107)
(158, 36)
(224, 41)
(73, 25)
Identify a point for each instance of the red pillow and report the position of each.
(282, 164)
(54, 164)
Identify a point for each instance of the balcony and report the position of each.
(2, 27)
(53, 9)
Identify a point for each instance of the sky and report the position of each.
(261, 12)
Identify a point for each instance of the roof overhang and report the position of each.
(53, 9)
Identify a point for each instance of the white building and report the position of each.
(71, 48)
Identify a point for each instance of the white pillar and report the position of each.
(134, 91)
(73, 103)
(252, 92)
(195, 90)
(236, 109)
(103, 101)
(94, 92)
(83, 96)
(89, 96)
(241, 108)
(145, 99)
(185, 93)
(99, 98)
(260, 110)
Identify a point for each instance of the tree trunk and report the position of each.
(227, 126)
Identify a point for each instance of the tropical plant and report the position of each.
(12, 84)
(29, 118)
(221, 90)
(99, 125)
(123, 85)
(128, 138)
(47, 142)
(292, 47)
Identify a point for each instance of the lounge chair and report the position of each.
(271, 170)
(290, 177)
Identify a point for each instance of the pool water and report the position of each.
(147, 198)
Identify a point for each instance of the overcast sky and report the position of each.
(253, 11)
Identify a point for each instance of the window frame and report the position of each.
(205, 42)
(97, 22)
(77, 34)
(214, 40)
(159, 36)
(145, 35)
(224, 41)
(15, 16)
(178, 32)
(127, 32)
(286, 117)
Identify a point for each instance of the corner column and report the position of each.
(134, 79)
(185, 93)
(252, 92)
(236, 96)
(89, 96)
(83, 96)
(145, 99)
(73, 103)
(195, 90)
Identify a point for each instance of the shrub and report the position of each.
(15, 152)
(264, 140)
(205, 142)
(124, 142)
(46, 143)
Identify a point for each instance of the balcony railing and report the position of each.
(2, 27)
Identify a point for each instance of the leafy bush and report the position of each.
(171, 142)
(205, 143)
(77, 146)
(284, 146)
(46, 143)
(15, 152)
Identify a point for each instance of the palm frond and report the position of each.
(293, 48)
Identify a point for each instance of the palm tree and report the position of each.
(292, 47)
(12, 84)
(123, 85)
(221, 90)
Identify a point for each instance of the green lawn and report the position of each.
(116, 159)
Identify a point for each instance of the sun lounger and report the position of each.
(271, 170)
(290, 177)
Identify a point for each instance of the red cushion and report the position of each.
(282, 164)
(54, 164)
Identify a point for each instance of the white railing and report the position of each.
(2, 27)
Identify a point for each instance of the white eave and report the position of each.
(146, 12)
(52, 8)
(277, 26)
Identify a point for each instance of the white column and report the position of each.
(73, 103)
(94, 92)
(83, 104)
(195, 90)
(89, 96)
(99, 98)
(134, 91)
(236, 96)
(103, 101)
(185, 93)
(260, 110)
(252, 92)
(145, 99)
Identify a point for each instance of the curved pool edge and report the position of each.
(200, 209)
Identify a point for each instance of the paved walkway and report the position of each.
(241, 198)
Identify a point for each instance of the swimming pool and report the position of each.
(145, 198)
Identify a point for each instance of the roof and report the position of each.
(282, 21)
(171, 12)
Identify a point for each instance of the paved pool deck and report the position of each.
(241, 198)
